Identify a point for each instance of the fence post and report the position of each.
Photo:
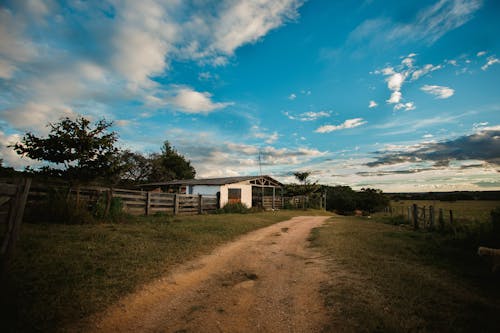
(409, 214)
(441, 219)
(218, 200)
(200, 204)
(15, 217)
(274, 196)
(431, 217)
(176, 204)
(148, 203)
(109, 197)
(451, 222)
(424, 218)
(415, 216)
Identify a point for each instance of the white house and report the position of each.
(249, 190)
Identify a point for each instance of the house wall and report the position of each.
(246, 193)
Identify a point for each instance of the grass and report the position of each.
(63, 273)
(385, 278)
(463, 210)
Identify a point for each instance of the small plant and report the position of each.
(234, 208)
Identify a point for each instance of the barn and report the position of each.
(253, 191)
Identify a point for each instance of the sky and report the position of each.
(401, 96)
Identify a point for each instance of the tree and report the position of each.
(372, 200)
(135, 167)
(302, 176)
(170, 165)
(75, 149)
(343, 199)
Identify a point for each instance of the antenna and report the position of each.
(260, 164)
(262, 186)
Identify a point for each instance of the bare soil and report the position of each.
(266, 281)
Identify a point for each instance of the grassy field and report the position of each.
(63, 273)
(466, 210)
(386, 278)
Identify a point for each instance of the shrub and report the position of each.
(234, 208)
(115, 208)
(57, 208)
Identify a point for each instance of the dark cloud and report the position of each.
(483, 146)
(392, 172)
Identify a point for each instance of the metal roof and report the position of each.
(217, 181)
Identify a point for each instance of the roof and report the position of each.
(255, 180)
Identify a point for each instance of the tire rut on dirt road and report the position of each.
(265, 281)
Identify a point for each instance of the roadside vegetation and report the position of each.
(387, 278)
(65, 272)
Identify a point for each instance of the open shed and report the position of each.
(253, 191)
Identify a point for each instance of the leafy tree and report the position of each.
(372, 200)
(341, 198)
(76, 150)
(170, 165)
(135, 167)
(302, 176)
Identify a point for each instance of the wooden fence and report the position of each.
(12, 202)
(135, 202)
(425, 217)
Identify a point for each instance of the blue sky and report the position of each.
(397, 95)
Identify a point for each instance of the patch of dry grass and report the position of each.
(389, 279)
(463, 210)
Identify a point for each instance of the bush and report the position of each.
(234, 208)
(57, 208)
(115, 208)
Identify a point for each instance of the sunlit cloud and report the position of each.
(349, 123)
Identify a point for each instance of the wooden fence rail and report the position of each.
(135, 202)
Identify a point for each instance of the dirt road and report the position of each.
(266, 281)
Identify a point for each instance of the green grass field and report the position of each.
(386, 278)
(63, 273)
(465, 210)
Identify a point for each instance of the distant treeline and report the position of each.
(447, 196)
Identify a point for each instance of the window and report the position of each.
(234, 195)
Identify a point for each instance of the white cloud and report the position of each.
(395, 81)
(396, 97)
(14, 49)
(308, 116)
(242, 22)
(405, 106)
(272, 138)
(438, 91)
(480, 125)
(349, 123)
(481, 53)
(191, 101)
(130, 49)
(491, 61)
(407, 71)
(429, 24)
(425, 70)
(35, 116)
(372, 104)
(292, 97)
(9, 156)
